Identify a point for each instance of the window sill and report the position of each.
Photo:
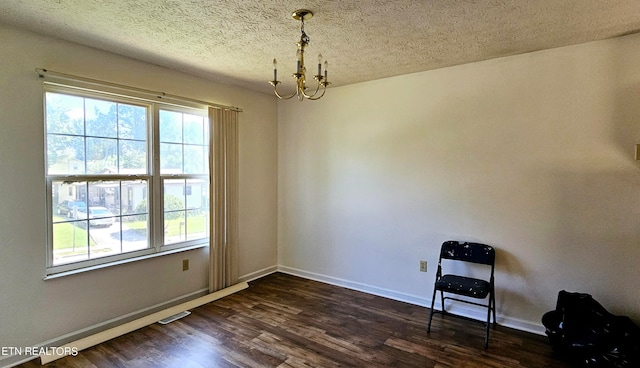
(123, 261)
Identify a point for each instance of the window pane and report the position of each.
(65, 155)
(70, 243)
(174, 210)
(104, 231)
(197, 224)
(105, 194)
(132, 122)
(134, 197)
(174, 194)
(135, 219)
(101, 118)
(170, 158)
(170, 126)
(194, 129)
(174, 227)
(133, 157)
(135, 232)
(65, 114)
(197, 195)
(102, 156)
(194, 160)
(69, 200)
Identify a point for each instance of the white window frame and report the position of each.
(155, 193)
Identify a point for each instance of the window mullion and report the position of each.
(49, 222)
(156, 203)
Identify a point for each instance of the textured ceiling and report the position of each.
(234, 41)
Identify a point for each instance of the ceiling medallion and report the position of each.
(302, 90)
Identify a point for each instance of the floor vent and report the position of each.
(174, 317)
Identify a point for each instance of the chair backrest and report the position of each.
(468, 252)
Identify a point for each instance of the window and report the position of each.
(184, 166)
(126, 177)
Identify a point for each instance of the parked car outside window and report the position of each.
(68, 208)
(98, 216)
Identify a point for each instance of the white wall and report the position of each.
(533, 154)
(32, 310)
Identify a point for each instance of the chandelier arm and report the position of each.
(275, 90)
(324, 89)
(313, 94)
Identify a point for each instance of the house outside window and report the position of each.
(118, 169)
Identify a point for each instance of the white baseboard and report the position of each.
(258, 274)
(461, 309)
(387, 293)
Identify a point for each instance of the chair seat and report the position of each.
(466, 286)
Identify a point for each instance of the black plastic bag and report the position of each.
(584, 332)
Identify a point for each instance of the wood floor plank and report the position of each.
(290, 322)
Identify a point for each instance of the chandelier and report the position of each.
(302, 90)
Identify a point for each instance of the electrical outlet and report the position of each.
(423, 266)
(185, 264)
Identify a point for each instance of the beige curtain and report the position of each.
(223, 251)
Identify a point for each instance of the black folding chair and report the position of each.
(463, 285)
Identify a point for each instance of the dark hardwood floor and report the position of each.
(286, 321)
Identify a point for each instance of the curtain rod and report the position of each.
(44, 73)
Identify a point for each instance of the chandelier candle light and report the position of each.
(299, 75)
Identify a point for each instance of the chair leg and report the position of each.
(493, 298)
(433, 299)
(486, 338)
